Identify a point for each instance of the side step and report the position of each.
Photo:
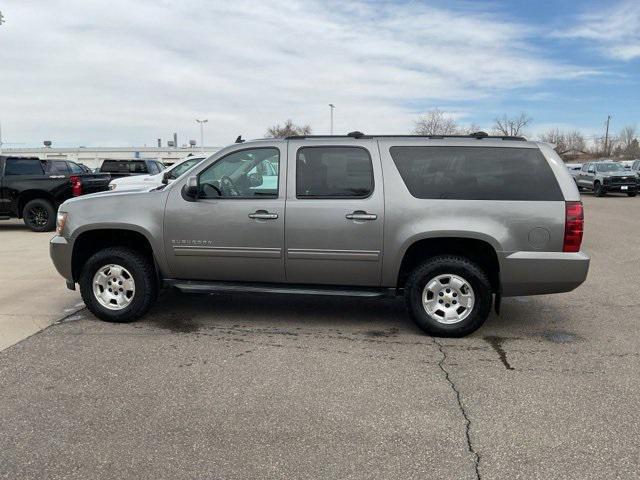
(187, 286)
(4, 217)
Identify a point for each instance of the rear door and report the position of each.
(335, 213)
(4, 209)
(22, 175)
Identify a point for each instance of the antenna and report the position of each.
(239, 139)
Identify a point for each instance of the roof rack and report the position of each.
(476, 135)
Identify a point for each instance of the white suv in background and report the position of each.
(145, 182)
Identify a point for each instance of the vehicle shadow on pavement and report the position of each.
(183, 313)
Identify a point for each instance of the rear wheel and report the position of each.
(118, 284)
(598, 190)
(632, 194)
(39, 215)
(448, 296)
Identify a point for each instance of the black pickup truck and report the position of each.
(33, 189)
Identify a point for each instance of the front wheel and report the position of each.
(448, 296)
(599, 190)
(632, 194)
(118, 284)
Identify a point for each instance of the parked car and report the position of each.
(32, 189)
(448, 222)
(143, 182)
(574, 168)
(126, 168)
(605, 177)
(635, 167)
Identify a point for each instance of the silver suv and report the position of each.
(451, 223)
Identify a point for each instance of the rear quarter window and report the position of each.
(476, 173)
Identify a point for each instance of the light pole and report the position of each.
(202, 122)
(331, 107)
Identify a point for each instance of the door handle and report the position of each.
(263, 215)
(361, 215)
(56, 176)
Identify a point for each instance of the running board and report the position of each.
(4, 217)
(187, 286)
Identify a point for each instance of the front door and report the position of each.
(335, 213)
(234, 231)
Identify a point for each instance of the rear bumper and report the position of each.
(537, 273)
(60, 251)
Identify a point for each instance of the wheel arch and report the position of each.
(480, 250)
(90, 241)
(28, 195)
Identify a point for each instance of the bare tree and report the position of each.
(575, 141)
(626, 141)
(435, 122)
(289, 129)
(511, 126)
(556, 137)
(567, 144)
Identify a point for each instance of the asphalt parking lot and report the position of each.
(293, 387)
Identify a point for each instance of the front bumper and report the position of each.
(620, 188)
(60, 251)
(537, 273)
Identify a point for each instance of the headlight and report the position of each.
(112, 186)
(61, 220)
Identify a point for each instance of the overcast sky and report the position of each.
(82, 72)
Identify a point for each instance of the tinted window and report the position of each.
(476, 173)
(75, 168)
(55, 167)
(17, 166)
(333, 172)
(242, 174)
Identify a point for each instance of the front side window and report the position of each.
(476, 173)
(249, 173)
(333, 172)
(23, 166)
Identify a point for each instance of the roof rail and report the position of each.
(358, 135)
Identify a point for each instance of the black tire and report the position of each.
(448, 264)
(143, 273)
(39, 215)
(599, 190)
(632, 194)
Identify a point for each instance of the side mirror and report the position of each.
(165, 178)
(191, 189)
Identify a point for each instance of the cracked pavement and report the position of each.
(282, 387)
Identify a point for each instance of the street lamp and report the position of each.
(332, 106)
(202, 122)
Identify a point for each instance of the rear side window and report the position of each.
(54, 167)
(476, 173)
(19, 166)
(333, 172)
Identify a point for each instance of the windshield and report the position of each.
(183, 167)
(609, 167)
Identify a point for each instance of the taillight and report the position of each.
(573, 227)
(76, 185)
